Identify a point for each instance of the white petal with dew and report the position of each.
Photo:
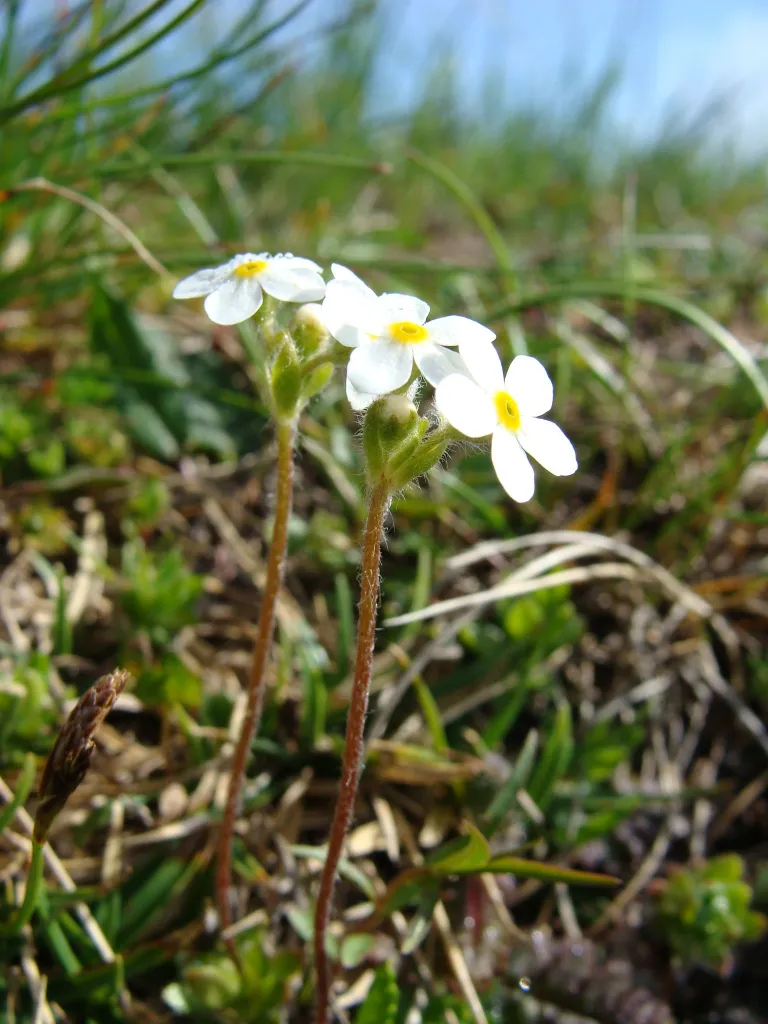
(436, 363)
(466, 406)
(359, 400)
(201, 283)
(379, 367)
(457, 330)
(529, 384)
(512, 465)
(297, 263)
(234, 301)
(395, 307)
(288, 285)
(248, 257)
(484, 364)
(546, 442)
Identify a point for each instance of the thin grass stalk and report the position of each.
(259, 663)
(352, 763)
(34, 886)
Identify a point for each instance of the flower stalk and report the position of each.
(286, 431)
(33, 888)
(66, 767)
(352, 763)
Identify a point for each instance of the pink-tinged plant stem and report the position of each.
(353, 744)
(259, 666)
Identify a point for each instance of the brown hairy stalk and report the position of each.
(70, 758)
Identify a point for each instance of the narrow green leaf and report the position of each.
(517, 780)
(521, 868)
(24, 784)
(555, 757)
(431, 713)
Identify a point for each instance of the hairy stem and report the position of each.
(353, 743)
(259, 664)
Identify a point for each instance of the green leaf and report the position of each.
(24, 784)
(464, 855)
(555, 757)
(431, 713)
(380, 1006)
(355, 949)
(506, 864)
(410, 888)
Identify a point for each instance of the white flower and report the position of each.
(508, 408)
(236, 290)
(388, 332)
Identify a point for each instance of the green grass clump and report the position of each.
(705, 911)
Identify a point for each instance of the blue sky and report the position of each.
(676, 54)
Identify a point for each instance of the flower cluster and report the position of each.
(388, 342)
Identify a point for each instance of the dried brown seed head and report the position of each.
(70, 758)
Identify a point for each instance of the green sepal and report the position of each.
(314, 383)
(286, 381)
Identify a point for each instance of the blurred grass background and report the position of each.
(608, 719)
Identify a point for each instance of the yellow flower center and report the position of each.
(507, 411)
(250, 268)
(407, 333)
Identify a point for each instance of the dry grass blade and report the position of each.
(70, 758)
(43, 185)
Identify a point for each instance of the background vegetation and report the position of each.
(607, 719)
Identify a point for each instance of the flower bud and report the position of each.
(391, 426)
(308, 328)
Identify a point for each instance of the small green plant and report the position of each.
(96, 438)
(705, 911)
(26, 707)
(212, 987)
(23, 425)
(160, 591)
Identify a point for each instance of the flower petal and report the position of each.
(529, 384)
(546, 442)
(466, 406)
(512, 466)
(436, 363)
(284, 282)
(455, 330)
(297, 262)
(235, 301)
(484, 364)
(395, 307)
(351, 314)
(341, 273)
(202, 282)
(378, 367)
(359, 400)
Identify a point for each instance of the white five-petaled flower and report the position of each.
(509, 409)
(235, 290)
(388, 333)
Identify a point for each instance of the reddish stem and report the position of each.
(352, 763)
(257, 674)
